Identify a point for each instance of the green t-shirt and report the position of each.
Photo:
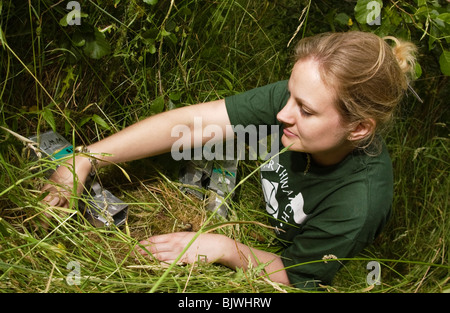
(327, 211)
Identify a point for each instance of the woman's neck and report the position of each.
(330, 158)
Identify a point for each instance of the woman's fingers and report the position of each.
(57, 196)
(156, 245)
(62, 186)
(166, 247)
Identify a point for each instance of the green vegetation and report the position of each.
(131, 59)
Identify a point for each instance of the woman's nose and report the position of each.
(286, 115)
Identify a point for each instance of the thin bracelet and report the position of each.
(93, 161)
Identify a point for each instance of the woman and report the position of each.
(330, 194)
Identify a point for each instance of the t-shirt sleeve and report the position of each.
(258, 106)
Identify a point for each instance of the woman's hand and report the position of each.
(213, 248)
(206, 248)
(61, 188)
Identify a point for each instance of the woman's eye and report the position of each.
(304, 112)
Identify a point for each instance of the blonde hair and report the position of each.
(368, 76)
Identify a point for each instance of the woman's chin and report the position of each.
(291, 144)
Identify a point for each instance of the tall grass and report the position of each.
(210, 50)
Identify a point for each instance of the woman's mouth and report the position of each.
(288, 133)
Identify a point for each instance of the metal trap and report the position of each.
(100, 206)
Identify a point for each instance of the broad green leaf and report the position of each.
(78, 40)
(421, 2)
(67, 81)
(100, 121)
(342, 19)
(422, 11)
(157, 105)
(151, 2)
(47, 114)
(227, 82)
(164, 33)
(444, 17)
(84, 120)
(417, 70)
(151, 49)
(444, 62)
(97, 47)
(175, 96)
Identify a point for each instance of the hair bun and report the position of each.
(405, 53)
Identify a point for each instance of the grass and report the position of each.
(217, 49)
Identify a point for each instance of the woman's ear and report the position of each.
(362, 129)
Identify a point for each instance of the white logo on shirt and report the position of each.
(293, 208)
(269, 190)
(297, 207)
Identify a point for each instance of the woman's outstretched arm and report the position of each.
(149, 137)
(213, 248)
